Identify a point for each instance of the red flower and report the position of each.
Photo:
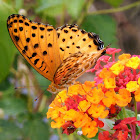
(68, 128)
(104, 136)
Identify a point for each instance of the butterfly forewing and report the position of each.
(32, 40)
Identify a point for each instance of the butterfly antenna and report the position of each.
(26, 87)
(108, 45)
(40, 95)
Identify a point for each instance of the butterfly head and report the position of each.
(53, 88)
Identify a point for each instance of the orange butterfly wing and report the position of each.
(37, 43)
(60, 55)
(79, 51)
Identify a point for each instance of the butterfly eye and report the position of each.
(101, 44)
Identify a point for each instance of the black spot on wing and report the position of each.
(44, 53)
(49, 45)
(27, 24)
(21, 28)
(20, 21)
(33, 34)
(35, 62)
(49, 30)
(61, 49)
(25, 48)
(34, 27)
(16, 38)
(42, 29)
(27, 39)
(36, 46)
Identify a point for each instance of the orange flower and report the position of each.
(123, 98)
(95, 96)
(70, 115)
(105, 73)
(137, 95)
(90, 129)
(97, 110)
(109, 98)
(81, 120)
(57, 123)
(84, 105)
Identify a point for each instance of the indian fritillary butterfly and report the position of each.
(61, 55)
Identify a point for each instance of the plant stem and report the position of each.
(85, 10)
(114, 10)
(135, 104)
(59, 134)
(124, 112)
(71, 137)
(84, 137)
(29, 101)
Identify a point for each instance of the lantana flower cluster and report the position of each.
(84, 106)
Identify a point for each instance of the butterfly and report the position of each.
(61, 55)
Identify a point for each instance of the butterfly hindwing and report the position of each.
(71, 40)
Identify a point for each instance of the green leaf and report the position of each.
(13, 106)
(114, 3)
(9, 130)
(110, 123)
(50, 7)
(7, 49)
(36, 129)
(104, 26)
(19, 4)
(74, 7)
(128, 112)
(58, 7)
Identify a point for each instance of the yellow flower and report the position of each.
(109, 83)
(139, 80)
(124, 56)
(57, 123)
(104, 114)
(70, 115)
(132, 86)
(62, 96)
(117, 68)
(133, 62)
(84, 105)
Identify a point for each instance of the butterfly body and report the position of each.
(61, 55)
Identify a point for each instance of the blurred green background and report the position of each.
(23, 118)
